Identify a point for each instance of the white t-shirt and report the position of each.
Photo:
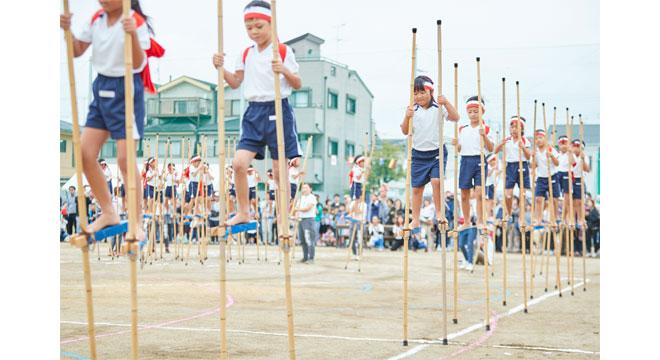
(305, 201)
(150, 173)
(252, 180)
(468, 138)
(208, 178)
(377, 230)
(258, 80)
(170, 178)
(108, 44)
(577, 166)
(194, 177)
(357, 174)
(425, 127)
(107, 173)
(512, 150)
(490, 179)
(542, 162)
(563, 161)
(427, 212)
(272, 185)
(293, 175)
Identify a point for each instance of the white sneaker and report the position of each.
(462, 265)
(469, 267)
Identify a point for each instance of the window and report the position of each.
(349, 150)
(109, 150)
(162, 149)
(181, 107)
(233, 108)
(175, 149)
(301, 98)
(62, 146)
(333, 71)
(333, 100)
(350, 104)
(309, 52)
(152, 106)
(333, 148)
(167, 107)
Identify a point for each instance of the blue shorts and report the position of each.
(563, 181)
(110, 187)
(258, 130)
(490, 192)
(122, 191)
(232, 191)
(513, 175)
(470, 174)
(169, 191)
(148, 192)
(294, 188)
(356, 190)
(425, 166)
(543, 190)
(271, 194)
(209, 190)
(107, 110)
(577, 188)
(253, 193)
(193, 189)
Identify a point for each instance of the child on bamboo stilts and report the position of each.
(193, 172)
(171, 184)
(540, 157)
(356, 181)
(294, 178)
(491, 180)
(425, 165)
(106, 117)
(562, 174)
(207, 180)
(511, 145)
(468, 145)
(579, 166)
(253, 180)
(229, 174)
(149, 176)
(255, 69)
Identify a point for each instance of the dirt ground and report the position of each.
(338, 314)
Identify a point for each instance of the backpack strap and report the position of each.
(96, 16)
(281, 48)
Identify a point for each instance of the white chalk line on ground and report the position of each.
(480, 324)
(543, 348)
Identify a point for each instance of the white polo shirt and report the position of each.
(425, 127)
(490, 179)
(293, 175)
(107, 173)
(563, 161)
(542, 162)
(194, 177)
(258, 79)
(577, 166)
(150, 173)
(357, 174)
(170, 178)
(108, 44)
(252, 180)
(272, 185)
(512, 150)
(468, 138)
(305, 201)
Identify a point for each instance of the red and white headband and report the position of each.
(519, 119)
(562, 140)
(257, 12)
(475, 103)
(428, 85)
(540, 132)
(195, 158)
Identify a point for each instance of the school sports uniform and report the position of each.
(562, 172)
(470, 170)
(272, 186)
(150, 184)
(293, 180)
(542, 187)
(490, 181)
(208, 183)
(252, 185)
(107, 110)
(577, 178)
(193, 173)
(355, 179)
(170, 179)
(258, 125)
(107, 173)
(425, 155)
(512, 163)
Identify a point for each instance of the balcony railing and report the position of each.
(173, 107)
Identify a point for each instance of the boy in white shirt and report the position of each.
(562, 171)
(542, 154)
(256, 69)
(579, 166)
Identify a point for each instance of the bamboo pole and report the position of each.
(571, 214)
(555, 232)
(552, 217)
(406, 234)
(583, 214)
(131, 237)
(267, 199)
(484, 233)
(521, 186)
(162, 189)
(532, 245)
(82, 208)
(283, 180)
(455, 227)
(442, 222)
(364, 192)
(359, 216)
(505, 211)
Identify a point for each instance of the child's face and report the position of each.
(513, 128)
(473, 114)
(540, 140)
(361, 163)
(258, 30)
(111, 5)
(576, 150)
(423, 98)
(563, 147)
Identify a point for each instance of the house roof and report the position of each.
(313, 38)
(205, 85)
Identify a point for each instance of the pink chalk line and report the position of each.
(473, 345)
(207, 312)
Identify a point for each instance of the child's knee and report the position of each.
(239, 165)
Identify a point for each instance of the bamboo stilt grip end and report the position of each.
(445, 342)
(414, 30)
(405, 342)
(78, 240)
(455, 321)
(438, 22)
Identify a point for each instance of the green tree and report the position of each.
(380, 173)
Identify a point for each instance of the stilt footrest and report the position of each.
(80, 240)
(234, 229)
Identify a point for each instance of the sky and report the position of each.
(551, 47)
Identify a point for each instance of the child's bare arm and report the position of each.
(292, 78)
(233, 79)
(406, 120)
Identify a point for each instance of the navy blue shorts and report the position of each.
(513, 176)
(209, 190)
(356, 190)
(110, 187)
(490, 192)
(543, 190)
(294, 188)
(577, 188)
(169, 192)
(253, 193)
(107, 110)
(563, 183)
(193, 190)
(148, 192)
(470, 174)
(258, 130)
(122, 191)
(425, 166)
(271, 194)
(232, 191)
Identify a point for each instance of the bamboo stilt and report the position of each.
(521, 186)
(583, 215)
(454, 232)
(534, 238)
(557, 230)
(571, 214)
(442, 223)
(505, 215)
